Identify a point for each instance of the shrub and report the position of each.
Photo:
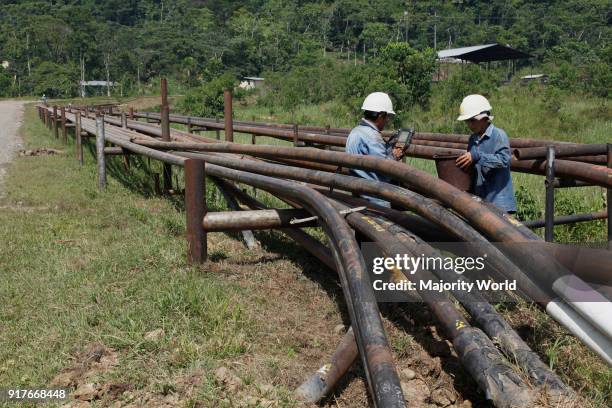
(582, 232)
(54, 80)
(469, 80)
(566, 76)
(411, 70)
(527, 205)
(599, 79)
(299, 86)
(399, 70)
(5, 83)
(551, 100)
(207, 100)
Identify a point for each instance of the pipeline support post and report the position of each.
(609, 199)
(228, 115)
(295, 135)
(195, 206)
(55, 128)
(165, 132)
(189, 130)
(549, 212)
(63, 119)
(100, 141)
(217, 132)
(126, 158)
(78, 137)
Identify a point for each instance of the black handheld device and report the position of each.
(405, 138)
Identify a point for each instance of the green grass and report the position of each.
(80, 266)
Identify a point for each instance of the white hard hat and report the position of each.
(378, 102)
(474, 106)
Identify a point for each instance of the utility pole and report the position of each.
(435, 30)
(405, 26)
(82, 61)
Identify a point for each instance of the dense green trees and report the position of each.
(137, 40)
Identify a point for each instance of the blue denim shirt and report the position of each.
(365, 139)
(492, 179)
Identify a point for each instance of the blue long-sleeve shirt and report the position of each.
(365, 139)
(492, 179)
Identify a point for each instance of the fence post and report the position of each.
(165, 132)
(195, 206)
(549, 214)
(63, 119)
(126, 157)
(131, 113)
(228, 115)
(78, 137)
(100, 139)
(48, 120)
(55, 128)
(609, 200)
(295, 135)
(218, 132)
(189, 125)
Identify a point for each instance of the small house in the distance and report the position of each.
(541, 78)
(98, 86)
(251, 82)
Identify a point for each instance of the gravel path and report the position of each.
(11, 116)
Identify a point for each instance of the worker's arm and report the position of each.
(500, 158)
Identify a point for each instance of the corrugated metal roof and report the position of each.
(456, 52)
(96, 83)
(483, 53)
(534, 76)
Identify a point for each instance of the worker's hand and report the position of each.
(398, 153)
(464, 161)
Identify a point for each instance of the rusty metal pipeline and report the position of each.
(477, 353)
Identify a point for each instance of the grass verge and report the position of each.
(84, 270)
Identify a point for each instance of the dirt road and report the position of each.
(11, 116)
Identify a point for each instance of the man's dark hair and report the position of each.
(369, 115)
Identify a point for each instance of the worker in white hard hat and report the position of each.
(488, 151)
(366, 138)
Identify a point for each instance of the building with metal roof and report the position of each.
(251, 82)
(482, 53)
(95, 84)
